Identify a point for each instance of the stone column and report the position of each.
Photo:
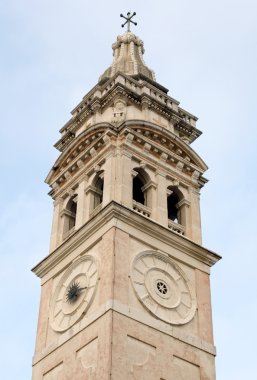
(160, 212)
(195, 232)
(88, 202)
(204, 306)
(124, 179)
(109, 179)
(81, 204)
(184, 212)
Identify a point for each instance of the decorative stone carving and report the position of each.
(67, 175)
(93, 152)
(164, 157)
(80, 164)
(163, 288)
(147, 147)
(180, 166)
(196, 175)
(68, 304)
(119, 112)
(106, 139)
(129, 138)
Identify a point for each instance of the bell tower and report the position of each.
(125, 288)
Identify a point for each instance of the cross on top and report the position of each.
(128, 20)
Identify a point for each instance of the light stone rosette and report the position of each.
(64, 314)
(163, 288)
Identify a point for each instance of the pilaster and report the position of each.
(56, 237)
(194, 231)
(81, 203)
(160, 210)
(109, 178)
(124, 179)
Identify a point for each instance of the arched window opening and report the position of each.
(172, 204)
(138, 194)
(72, 208)
(176, 210)
(99, 188)
(69, 215)
(141, 192)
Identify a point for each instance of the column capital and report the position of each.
(149, 184)
(183, 202)
(58, 201)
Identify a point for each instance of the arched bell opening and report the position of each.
(96, 191)
(72, 209)
(99, 190)
(172, 205)
(176, 221)
(141, 193)
(138, 193)
(69, 214)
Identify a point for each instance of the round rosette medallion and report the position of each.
(74, 293)
(163, 288)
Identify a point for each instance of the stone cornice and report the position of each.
(156, 160)
(117, 215)
(136, 124)
(142, 137)
(85, 146)
(138, 92)
(160, 102)
(112, 306)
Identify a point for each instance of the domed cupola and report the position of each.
(128, 53)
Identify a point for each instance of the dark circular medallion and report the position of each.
(73, 292)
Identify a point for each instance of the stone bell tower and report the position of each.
(125, 287)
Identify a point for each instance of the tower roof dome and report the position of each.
(128, 53)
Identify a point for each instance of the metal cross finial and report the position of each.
(128, 20)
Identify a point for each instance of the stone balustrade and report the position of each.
(176, 227)
(141, 209)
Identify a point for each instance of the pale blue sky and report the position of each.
(205, 52)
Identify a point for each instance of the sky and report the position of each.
(205, 53)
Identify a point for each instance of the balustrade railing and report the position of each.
(141, 209)
(176, 227)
